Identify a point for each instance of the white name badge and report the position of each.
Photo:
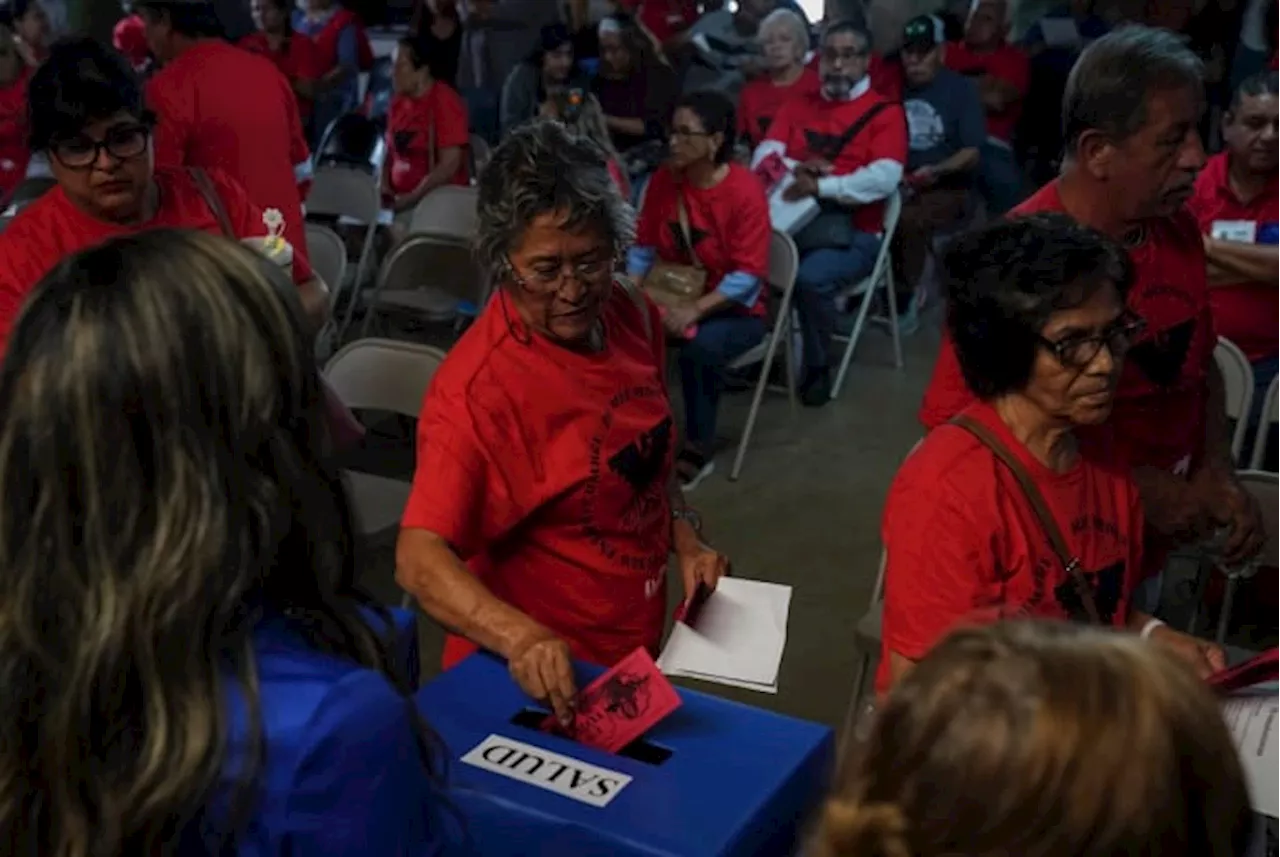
(563, 775)
(1234, 230)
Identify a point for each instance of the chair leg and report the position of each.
(780, 329)
(854, 335)
(890, 298)
(1228, 601)
(790, 345)
(855, 703)
(358, 283)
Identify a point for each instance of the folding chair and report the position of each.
(349, 194)
(1266, 424)
(1265, 488)
(383, 375)
(328, 255)
(29, 190)
(447, 210)
(479, 153)
(1237, 377)
(881, 275)
(428, 275)
(784, 259)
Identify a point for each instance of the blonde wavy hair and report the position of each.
(161, 458)
(1047, 740)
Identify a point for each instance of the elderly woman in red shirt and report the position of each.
(1021, 506)
(545, 442)
(701, 208)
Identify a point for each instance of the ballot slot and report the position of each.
(640, 750)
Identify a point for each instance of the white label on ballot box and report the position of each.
(538, 767)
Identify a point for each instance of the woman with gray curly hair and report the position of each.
(545, 443)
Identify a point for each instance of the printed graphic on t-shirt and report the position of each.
(1162, 357)
(1106, 586)
(823, 145)
(763, 122)
(677, 234)
(925, 127)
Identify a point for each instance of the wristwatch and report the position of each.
(689, 516)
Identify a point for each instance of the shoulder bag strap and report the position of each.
(855, 128)
(1038, 505)
(684, 228)
(204, 184)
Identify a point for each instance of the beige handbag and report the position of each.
(670, 284)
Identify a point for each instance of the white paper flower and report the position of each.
(274, 221)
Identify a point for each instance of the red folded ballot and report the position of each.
(1256, 670)
(620, 706)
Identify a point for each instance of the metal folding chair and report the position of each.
(479, 153)
(428, 275)
(784, 259)
(1265, 488)
(881, 276)
(1266, 425)
(1237, 377)
(328, 256)
(447, 210)
(351, 195)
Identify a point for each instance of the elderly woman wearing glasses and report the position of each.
(542, 514)
(87, 114)
(1019, 506)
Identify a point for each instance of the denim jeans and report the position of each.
(1000, 178)
(1263, 371)
(821, 274)
(482, 113)
(702, 359)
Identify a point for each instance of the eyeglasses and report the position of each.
(1079, 350)
(121, 142)
(549, 278)
(833, 56)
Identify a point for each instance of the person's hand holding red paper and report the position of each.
(541, 665)
(619, 706)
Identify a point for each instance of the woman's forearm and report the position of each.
(432, 573)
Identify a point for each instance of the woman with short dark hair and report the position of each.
(549, 67)
(545, 443)
(1021, 506)
(702, 209)
(188, 667)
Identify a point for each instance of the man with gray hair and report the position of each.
(1130, 115)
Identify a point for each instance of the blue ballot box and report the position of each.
(714, 778)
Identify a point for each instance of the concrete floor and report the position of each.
(805, 512)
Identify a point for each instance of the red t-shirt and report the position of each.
(220, 107)
(1008, 63)
(1160, 404)
(964, 546)
(547, 471)
(438, 115)
(761, 99)
(298, 61)
(1245, 313)
(728, 224)
(806, 123)
(14, 154)
(619, 178)
(52, 228)
(129, 36)
(663, 18)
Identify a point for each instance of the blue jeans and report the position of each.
(821, 274)
(1000, 179)
(482, 113)
(1263, 371)
(702, 359)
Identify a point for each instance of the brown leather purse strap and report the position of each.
(684, 229)
(1051, 529)
(204, 184)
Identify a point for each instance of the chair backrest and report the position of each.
(784, 260)
(1237, 377)
(427, 260)
(480, 154)
(30, 189)
(892, 212)
(328, 255)
(447, 210)
(1265, 487)
(383, 374)
(338, 191)
(1268, 422)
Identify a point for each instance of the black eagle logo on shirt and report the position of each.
(1106, 586)
(822, 145)
(402, 140)
(764, 122)
(640, 463)
(682, 245)
(1162, 357)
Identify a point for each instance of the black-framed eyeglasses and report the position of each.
(121, 142)
(1077, 351)
(549, 278)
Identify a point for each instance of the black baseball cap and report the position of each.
(923, 32)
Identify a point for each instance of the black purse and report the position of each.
(832, 228)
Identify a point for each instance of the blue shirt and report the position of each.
(342, 773)
(943, 117)
(345, 96)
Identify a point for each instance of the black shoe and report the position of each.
(816, 389)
